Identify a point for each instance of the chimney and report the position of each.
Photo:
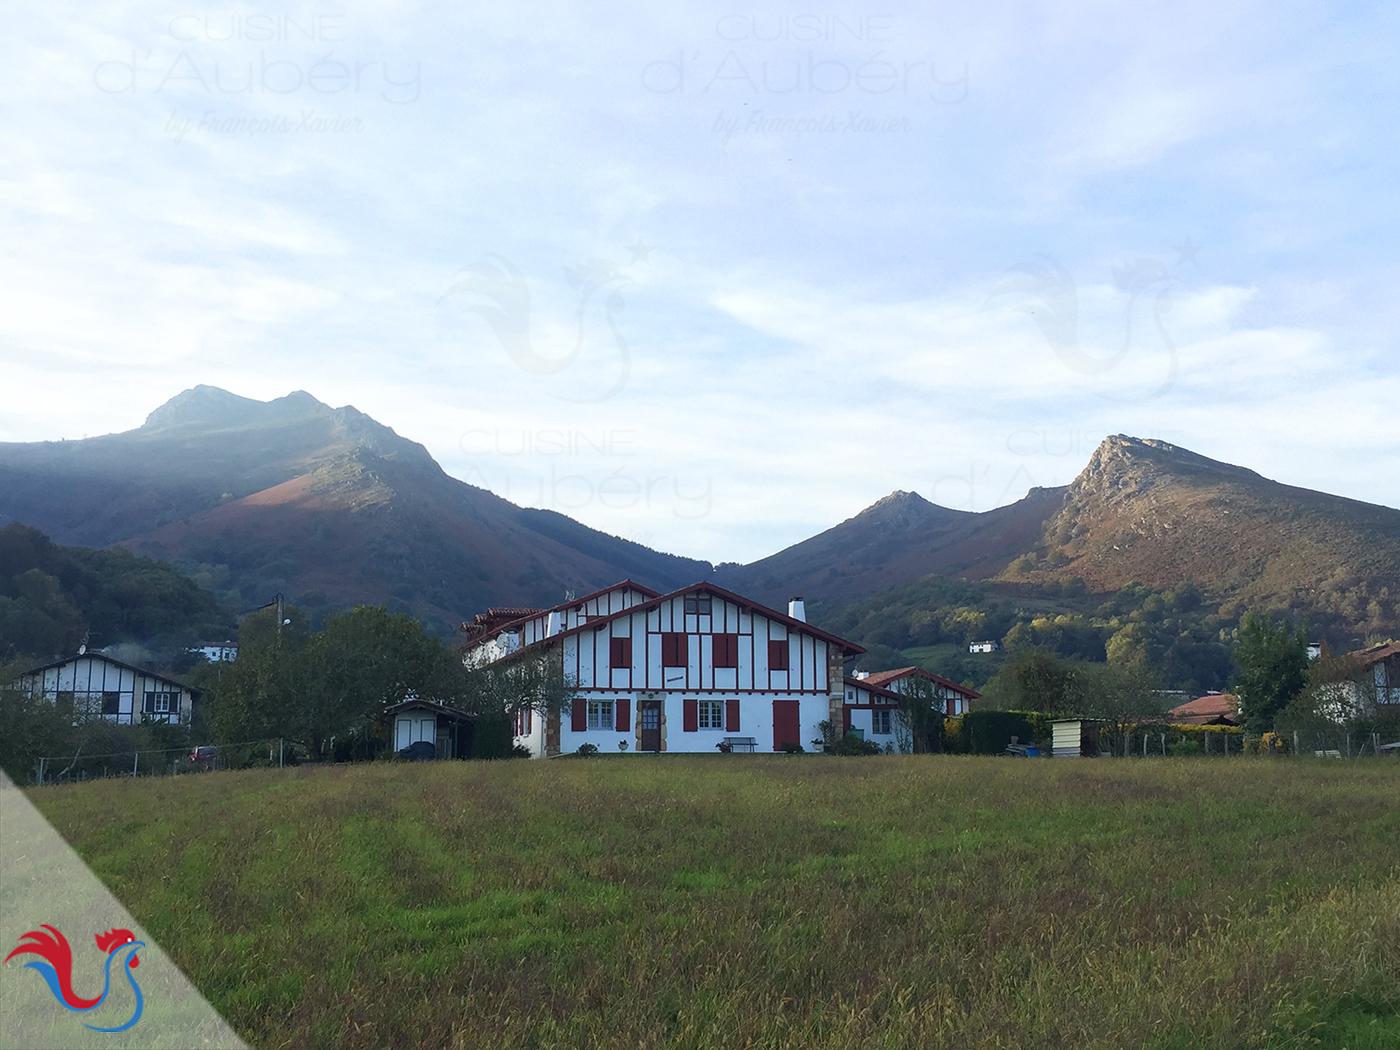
(556, 623)
(797, 609)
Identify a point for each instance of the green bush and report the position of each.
(989, 732)
(1184, 748)
(850, 744)
(585, 750)
(492, 737)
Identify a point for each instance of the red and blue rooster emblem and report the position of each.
(55, 966)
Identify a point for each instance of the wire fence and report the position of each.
(170, 761)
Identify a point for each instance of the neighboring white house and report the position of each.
(955, 697)
(674, 672)
(989, 646)
(1376, 675)
(226, 653)
(94, 685)
(875, 712)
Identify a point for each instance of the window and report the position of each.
(621, 653)
(675, 651)
(778, 655)
(697, 604)
(711, 714)
(111, 703)
(523, 721)
(158, 703)
(880, 721)
(600, 714)
(725, 648)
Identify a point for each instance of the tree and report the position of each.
(537, 684)
(31, 726)
(921, 715)
(1273, 667)
(1033, 680)
(1120, 695)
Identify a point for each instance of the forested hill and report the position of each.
(322, 504)
(54, 598)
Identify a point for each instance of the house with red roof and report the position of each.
(1213, 709)
(678, 672)
(955, 697)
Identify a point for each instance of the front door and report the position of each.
(787, 724)
(649, 722)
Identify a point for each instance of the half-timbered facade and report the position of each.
(955, 697)
(677, 672)
(875, 711)
(92, 685)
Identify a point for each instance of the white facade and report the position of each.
(545, 623)
(97, 686)
(680, 672)
(875, 712)
(955, 698)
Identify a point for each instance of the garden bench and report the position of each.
(739, 743)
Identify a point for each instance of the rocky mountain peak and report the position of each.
(212, 408)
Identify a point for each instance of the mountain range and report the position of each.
(331, 508)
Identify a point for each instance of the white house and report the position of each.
(94, 685)
(674, 672)
(875, 712)
(955, 697)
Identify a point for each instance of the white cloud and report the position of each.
(816, 324)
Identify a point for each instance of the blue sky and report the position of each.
(718, 278)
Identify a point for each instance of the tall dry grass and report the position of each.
(775, 902)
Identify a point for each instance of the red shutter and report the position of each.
(845, 716)
(620, 654)
(726, 650)
(691, 722)
(778, 656)
(624, 716)
(731, 716)
(580, 714)
(674, 651)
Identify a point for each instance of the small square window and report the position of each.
(880, 722)
(711, 714)
(697, 604)
(600, 714)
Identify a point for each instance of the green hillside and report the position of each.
(53, 599)
(779, 901)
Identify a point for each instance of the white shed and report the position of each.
(1075, 738)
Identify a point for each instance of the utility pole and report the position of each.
(280, 617)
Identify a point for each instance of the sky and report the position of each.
(716, 278)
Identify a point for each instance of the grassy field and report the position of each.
(773, 901)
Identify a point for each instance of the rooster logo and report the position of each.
(55, 966)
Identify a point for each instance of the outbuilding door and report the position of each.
(649, 722)
(787, 723)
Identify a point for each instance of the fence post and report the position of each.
(1348, 745)
(279, 752)
(1164, 745)
(135, 761)
(1295, 744)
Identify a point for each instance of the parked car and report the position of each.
(206, 753)
(423, 749)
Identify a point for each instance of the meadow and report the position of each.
(771, 901)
